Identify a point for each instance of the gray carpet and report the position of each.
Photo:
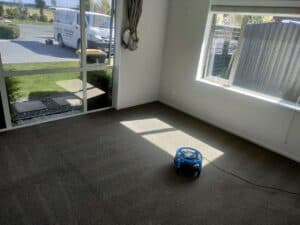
(116, 168)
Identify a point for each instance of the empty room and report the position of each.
(149, 112)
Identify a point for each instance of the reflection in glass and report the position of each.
(225, 35)
(100, 31)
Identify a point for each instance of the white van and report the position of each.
(67, 29)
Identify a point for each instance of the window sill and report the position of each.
(253, 94)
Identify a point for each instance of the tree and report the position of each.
(40, 4)
(260, 19)
(87, 5)
(100, 6)
(53, 3)
(1, 10)
(105, 7)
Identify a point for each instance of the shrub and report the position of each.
(1, 11)
(12, 13)
(9, 31)
(43, 18)
(13, 89)
(101, 79)
(34, 16)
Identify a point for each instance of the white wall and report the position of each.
(257, 120)
(138, 73)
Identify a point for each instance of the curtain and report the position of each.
(130, 38)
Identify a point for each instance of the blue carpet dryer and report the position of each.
(188, 161)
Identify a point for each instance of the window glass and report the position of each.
(40, 36)
(35, 32)
(255, 52)
(101, 21)
(69, 17)
(43, 41)
(100, 32)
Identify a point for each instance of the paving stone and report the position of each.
(75, 86)
(28, 106)
(68, 100)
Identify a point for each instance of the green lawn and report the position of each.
(20, 87)
(40, 66)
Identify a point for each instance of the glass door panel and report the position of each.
(34, 98)
(99, 89)
(99, 31)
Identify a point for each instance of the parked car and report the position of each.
(67, 29)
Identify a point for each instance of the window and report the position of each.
(255, 52)
(101, 21)
(46, 57)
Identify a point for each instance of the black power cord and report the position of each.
(278, 189)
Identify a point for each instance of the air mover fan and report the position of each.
(188, 161)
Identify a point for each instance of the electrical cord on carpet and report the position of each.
(278, 189)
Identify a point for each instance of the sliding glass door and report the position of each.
(100, 17)
(56, 59)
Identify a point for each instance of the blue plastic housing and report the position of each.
(189, 160)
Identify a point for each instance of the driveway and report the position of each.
(30, 47)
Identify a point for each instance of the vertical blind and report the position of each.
(268, 60)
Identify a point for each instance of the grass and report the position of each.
(40, 66)
(30, 86)
(27, 86)
(23, 87)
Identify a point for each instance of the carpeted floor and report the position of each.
(116, 168)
